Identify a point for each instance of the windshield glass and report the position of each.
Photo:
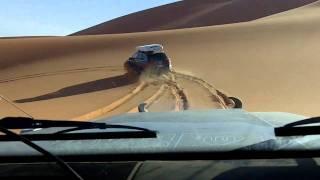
(163, 56)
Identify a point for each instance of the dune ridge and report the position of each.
(193, 13)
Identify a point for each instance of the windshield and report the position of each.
(95, 62)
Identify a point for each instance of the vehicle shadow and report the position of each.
(87, 87)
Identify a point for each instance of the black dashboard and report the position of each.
(307, 168)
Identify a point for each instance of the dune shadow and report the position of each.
(87, 87)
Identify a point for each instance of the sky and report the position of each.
(63, 17)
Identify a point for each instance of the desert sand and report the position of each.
(193, 13)
(271, 64)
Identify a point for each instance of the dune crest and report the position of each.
(193, 13)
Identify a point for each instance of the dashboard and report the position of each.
(179, 170)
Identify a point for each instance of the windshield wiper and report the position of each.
(46, 153)
(29, 123)
(295, 128)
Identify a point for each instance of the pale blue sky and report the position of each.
(63, 17)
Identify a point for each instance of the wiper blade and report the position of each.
(84, 136)
(312, 120)
(295, 128)
(29, 123)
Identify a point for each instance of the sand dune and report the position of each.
(271, 64)
(194, 13)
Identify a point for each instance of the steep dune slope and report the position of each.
(271, 64)
(194, 13)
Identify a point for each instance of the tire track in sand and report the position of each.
(166, 102)
(220, 99)
(170, 95)
(181, 99)
(67, 71)
(114, 105)
(151, 99)
(183, 90)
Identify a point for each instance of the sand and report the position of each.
(193, 13)
(270, 63)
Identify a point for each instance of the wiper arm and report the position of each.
(29, 123)
(46, 153)
(295, 128)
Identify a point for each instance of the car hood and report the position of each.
(186, 131)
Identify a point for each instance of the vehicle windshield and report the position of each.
(223, 61)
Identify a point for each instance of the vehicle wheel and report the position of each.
(142, 107)
(237, 102)
(130, 68)
(166, 69)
